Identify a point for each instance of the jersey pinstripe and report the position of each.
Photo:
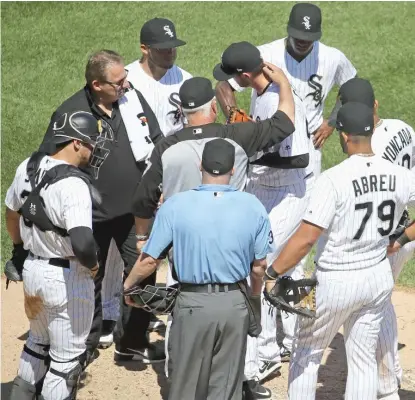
(359, 203)
(162, 95)
(67, 204)
(264, 106)
(394, 140)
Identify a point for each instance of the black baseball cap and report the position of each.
(195, 92)
(218, 157)
(160, 33)
(355, 119)
(358, 90)
(237, 58)
(305, 22)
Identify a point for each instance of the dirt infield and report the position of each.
(106, 380)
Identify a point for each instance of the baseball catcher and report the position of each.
(284, 291)
(237, 115)
(14, 267)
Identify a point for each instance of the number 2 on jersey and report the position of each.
(384, 215)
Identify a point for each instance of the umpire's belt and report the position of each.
(208, 287)
(57, 262)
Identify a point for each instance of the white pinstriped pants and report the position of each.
(59, 303)
(389, 367)
(286, 206)
(355, 300)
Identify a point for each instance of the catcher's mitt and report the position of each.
(238, 115)
(157, 300)
(300, 292)
(14, 267)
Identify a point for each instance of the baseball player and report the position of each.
(354, 207)
(156, 75)
(281, 189)
(49, 210)
(394, 141)
(312, 69)
(158, 79)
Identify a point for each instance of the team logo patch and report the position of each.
(168, 30)
(306, 23)
(317, 93)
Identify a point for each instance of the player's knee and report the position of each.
(22, 390)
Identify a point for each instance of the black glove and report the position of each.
(14, 267)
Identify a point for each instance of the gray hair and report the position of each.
(98, 64)
(204, 109)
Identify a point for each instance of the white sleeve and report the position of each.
(13, 199)
(412, 133)
(322, 206)
(76, 203)
(345, 70)
(297, 143)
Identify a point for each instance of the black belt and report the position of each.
(57, 262)
(208, 287)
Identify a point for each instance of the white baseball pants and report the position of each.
(355, 300)
(389, 367)
(59, 303)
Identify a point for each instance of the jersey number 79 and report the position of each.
(386, 213)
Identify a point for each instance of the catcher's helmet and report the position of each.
(83, 126)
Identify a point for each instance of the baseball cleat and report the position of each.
(285, 354)
(106, 341)
(252, 390)
(147, 355)
(266, 368)
(156, 325)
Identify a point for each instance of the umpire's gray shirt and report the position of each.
(174, 165)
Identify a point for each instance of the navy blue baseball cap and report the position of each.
(355, 119)
(218, 157)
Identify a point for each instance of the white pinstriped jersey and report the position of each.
(394, 140)
(263, 107)
(359, 203)
(313, 77)
(67, 204)
(162, 95)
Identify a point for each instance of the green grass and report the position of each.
(45, 46)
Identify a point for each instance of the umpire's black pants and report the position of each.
(131, 328)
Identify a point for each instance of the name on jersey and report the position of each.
(374, 183)
(398, 142)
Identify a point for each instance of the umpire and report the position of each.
(218, 232)
(106, 88)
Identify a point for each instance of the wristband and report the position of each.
(403, 239)
(271, 273)
(141, 238)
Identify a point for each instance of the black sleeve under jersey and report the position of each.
(274, 160)
(255, 137)
(148, 192)
(83, 246)
(153, 126)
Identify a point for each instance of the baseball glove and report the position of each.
(157, 300)
(300, 293)
(14, 267)
(237, 115)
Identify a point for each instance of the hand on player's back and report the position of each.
(274, 73)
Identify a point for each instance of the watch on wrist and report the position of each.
(141, 238)
(271, 274)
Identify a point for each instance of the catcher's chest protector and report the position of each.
(33, 210)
